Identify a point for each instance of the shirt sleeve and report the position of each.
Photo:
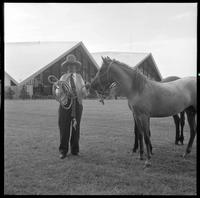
(83, 89)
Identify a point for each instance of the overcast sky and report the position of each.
(167, 30)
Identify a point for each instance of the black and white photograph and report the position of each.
(100, 98)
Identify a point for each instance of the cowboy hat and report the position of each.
(71, 61)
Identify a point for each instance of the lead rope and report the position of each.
(74, 122)
(101, 99)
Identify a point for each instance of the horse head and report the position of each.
(102, 80)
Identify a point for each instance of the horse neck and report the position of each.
(131, 81)
(122, 79)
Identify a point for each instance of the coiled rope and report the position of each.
(66, 89)
(64, 85)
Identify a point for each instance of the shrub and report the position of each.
(9, 93)
(92, 94)
(37, 96)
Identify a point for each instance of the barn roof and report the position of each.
(27, 59)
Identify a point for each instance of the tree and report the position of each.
(23, 93)
(9, 93)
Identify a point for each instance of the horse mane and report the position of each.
(138, 79)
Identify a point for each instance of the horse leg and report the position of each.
(182, 121)
(177, 122)
(145, 123)
(191, 121)
(136, 138)
(139, 136)
(141, 146)
(151, 148)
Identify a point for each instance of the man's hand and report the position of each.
(87, 85)
(86, 89)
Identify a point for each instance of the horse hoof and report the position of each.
(134, 150)
(184, 155)
(176, 142)
(140, 157)
(147, 164)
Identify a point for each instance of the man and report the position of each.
(71, 118)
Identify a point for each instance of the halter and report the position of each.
(107, 77)
(102, 95)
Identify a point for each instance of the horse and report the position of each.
(178, 120)
(148, 98)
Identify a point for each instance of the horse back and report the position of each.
(191, 85)
(188, 86)
(170, 78)
(179, 93)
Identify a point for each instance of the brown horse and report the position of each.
(148, 98)
(178, 120)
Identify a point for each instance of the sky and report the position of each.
(167, 30)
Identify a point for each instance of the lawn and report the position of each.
(106, 165)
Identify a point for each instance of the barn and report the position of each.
(32, 63)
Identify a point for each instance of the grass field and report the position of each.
(106, 164)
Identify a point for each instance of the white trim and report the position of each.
(156, 67)
(90, 56)
(140, 62)
(11, 78)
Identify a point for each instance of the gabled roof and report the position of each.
(7, 76)
(133, 59)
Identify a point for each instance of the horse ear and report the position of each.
(102, 58)
(108, 58)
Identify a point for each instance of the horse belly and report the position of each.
(169, 105)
